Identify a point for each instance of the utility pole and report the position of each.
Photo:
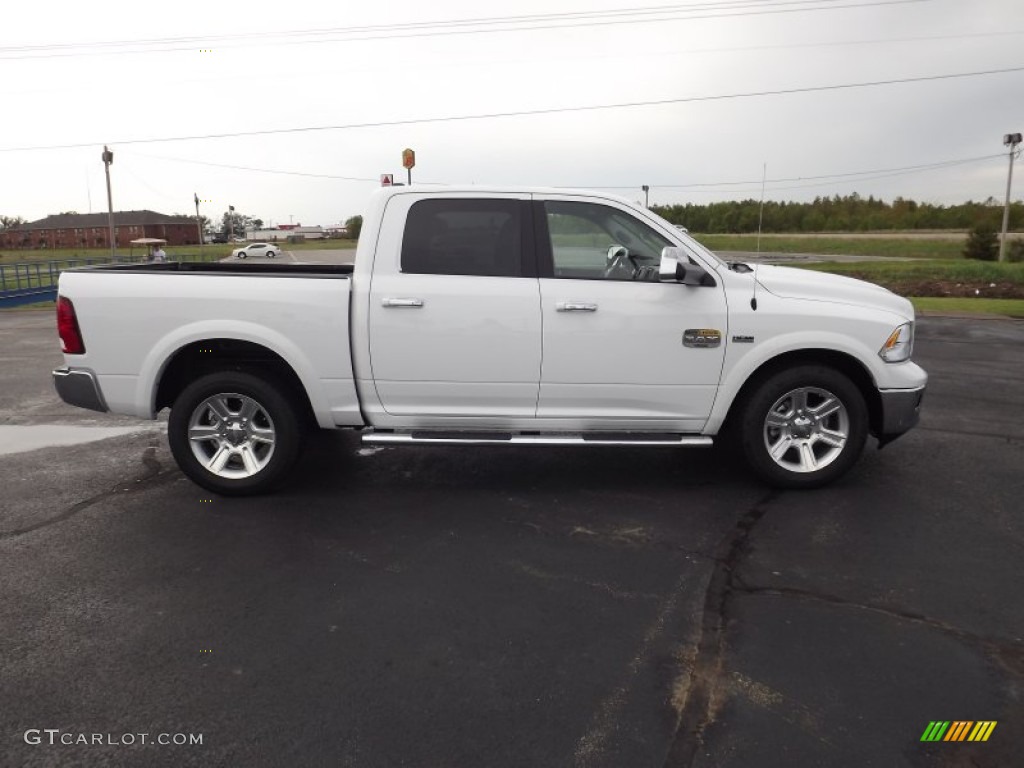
(647, 199)
(108, 158)
(199, 221)
(1010, 140)
(231, 223)
(760, 210)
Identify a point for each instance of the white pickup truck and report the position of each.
(495, 316)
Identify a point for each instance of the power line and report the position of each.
(742, 8)
(258, 170)
(473, 21)
(887, 171)
(866, 175)
(606, 56)
(529, 112)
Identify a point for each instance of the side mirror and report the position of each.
(676, 267)
(670, 269)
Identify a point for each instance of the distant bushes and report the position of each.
(982, 244)
(849, 213)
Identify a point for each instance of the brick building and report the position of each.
(90, 230)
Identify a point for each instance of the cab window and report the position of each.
(463, 237)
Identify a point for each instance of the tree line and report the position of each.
(848, 213)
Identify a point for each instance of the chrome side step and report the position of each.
(426, 437)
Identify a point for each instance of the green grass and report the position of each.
(213, 251)
(321, 245)
(907, 247)
(1006, 307)
(957, 270)
(42, 305)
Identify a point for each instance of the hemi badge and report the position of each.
(701, 337)
(743, 339)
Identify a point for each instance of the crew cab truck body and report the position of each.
(478, 315)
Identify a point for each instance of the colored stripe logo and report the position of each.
(958, 730)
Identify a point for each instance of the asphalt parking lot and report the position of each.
(515, 607)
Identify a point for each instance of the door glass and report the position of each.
(597, 241)
(463, 237)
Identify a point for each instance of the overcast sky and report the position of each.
(128, 74)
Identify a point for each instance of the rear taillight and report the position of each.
(67, 326)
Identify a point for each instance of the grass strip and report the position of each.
(956, 270)
(907, 247)
(1004, 307)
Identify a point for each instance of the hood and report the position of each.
(791, 283)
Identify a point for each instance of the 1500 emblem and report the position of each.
(702, 337)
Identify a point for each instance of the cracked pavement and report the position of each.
(507, 607)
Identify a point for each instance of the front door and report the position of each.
(615, 356)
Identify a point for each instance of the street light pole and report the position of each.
(199, 221)
(1010, 140)
(108, 158)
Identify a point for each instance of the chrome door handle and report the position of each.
(411, 303)
(571, 306)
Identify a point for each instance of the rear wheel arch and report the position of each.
(213, 355)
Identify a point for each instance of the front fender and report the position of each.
(741, 363)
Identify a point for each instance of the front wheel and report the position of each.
(234, 433)
(803, 427)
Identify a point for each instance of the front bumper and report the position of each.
(78, 386)
(901, 410)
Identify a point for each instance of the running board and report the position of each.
(426, 437)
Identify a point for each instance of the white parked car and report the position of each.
(256, 250)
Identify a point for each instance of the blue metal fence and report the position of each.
(36, 281)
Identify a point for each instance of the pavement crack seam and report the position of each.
(606, 718)
(697, 707)
(1012, 439)
(155, 475)
(1000, 651)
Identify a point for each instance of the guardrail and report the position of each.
(32, 282)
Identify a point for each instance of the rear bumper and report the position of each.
(901, 410)
(78, 386)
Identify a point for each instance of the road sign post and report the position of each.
(408, 162)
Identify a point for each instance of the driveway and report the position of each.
(513, 606)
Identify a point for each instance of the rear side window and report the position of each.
(464, 237)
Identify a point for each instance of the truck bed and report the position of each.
(297, 269)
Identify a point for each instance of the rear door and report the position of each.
(454, 318)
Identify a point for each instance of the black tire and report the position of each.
(804, 428)
(250, 462)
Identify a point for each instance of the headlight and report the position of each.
(899, 346)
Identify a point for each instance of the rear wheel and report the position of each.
(234, 433)
(803, 427)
